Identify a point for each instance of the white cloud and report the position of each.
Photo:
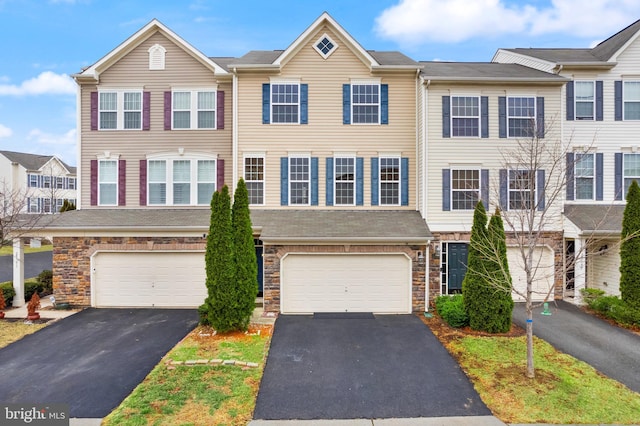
(46, 83)
(5, 132)
(415, 22)
(40, 137)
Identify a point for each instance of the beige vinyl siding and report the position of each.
(478, 153)
(506, 57)
(132, 71)
(325, 135)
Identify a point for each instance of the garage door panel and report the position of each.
(346, 283)
(149, 279)
(544, 277)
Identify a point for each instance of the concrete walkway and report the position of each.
(46, 311)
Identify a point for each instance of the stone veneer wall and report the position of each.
(72, 260)
(552, 239)
(273, 254)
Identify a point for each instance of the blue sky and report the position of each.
(44, 42)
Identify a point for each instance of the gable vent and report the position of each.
(325, 46)
(156, 57)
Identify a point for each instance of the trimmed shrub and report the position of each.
(630, 249)
(451, 309)
(45, 279)
(31, 287)
(8, 292)
(615, 308)
(589, 295)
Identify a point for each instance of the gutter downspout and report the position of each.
(234, 127)
(79, 147)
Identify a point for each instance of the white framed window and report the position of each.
(631, 100)
(465, 188)
(254, 179)
(521, 116)
(522, 189)
(285, 103)
(181, 181)
(46, 205)
(365, 103)
(584, 171)
(344, 181)
(325, 46)
(33, 181)
(389, 181)
(299, 181)
(59, 202)
(193, 109)
(630, 170)
(120, 110)
(107, 182)
(72, 183)
(34, 205)
(465, 116)
(46, 181)
(585, 96)
(59, 182)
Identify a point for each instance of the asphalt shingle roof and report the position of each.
(484, 71)
(596, 218)
(33, 161)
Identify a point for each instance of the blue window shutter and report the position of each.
(384, 104)
(329, 180)
(599, 176)
(540, 117)
(266, 103)
(540, 189)
(599, 101)
(374, 181)
(618, 101)
(570, 176)
(359, 181)
(484, 187)
(502, 116)
(618, 176)
(314, 181)
(304, 103)
(446, 116)
(570, 101)
(484, 116)
(346, 104)
(446, 189)
(284, 181)
(504, 189)
(404, 181)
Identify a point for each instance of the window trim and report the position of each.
(335, 179)
(291, 181)
(120, 111)
(533, 179)
(625, 101)
(625, 188)
(534, 127)
(101, 182)
(246, 157)
(478, 117)
(451, 190)
(353, 104)
(330, 52)
(576, 101)
(193, 108)
(273, 83)
(33, 180)
(576, 176)
(399, 181)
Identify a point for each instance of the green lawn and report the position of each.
(8, 250)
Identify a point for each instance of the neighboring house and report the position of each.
(38, 183)
(601, 121)
(347, 154)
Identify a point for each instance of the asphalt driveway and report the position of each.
(361, 366)
(91, 360)
(612, 350)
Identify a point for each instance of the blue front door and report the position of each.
(457, 265)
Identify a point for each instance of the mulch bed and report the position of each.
(445, 333)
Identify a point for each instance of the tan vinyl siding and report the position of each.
(132, 71)
(506, 57)
(325, 135)
(477, 153)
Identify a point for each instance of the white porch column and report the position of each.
(18, 271)
(580, 268)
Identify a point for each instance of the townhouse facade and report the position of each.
(363, 168)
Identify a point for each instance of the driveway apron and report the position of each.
(91, 360)
(361, 366)
(612, 350)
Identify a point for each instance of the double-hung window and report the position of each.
(521, 117)
(46, 181)
(365, 103)
(33, 181)
(299, 180)
(630, 170)
(194, 109)
(254, 178)
(59, 182)
(344, 181)
(108, 182)
(120, 110)
(584, 171)
(157, 181)
(285, 103)
(522, 189)
(465, 116)
(206, 180)
(72, 183)
(465, 189)
(631, 92)
(181, 181)
(390, 181)
(585, 100)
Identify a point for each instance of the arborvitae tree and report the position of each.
(630, 249)
(499, 278)
(245, 255)
(474, 288)
(221, 305)
(67, 206)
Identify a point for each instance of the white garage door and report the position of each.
(543, 258)
(149, 279)
(346, 283)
